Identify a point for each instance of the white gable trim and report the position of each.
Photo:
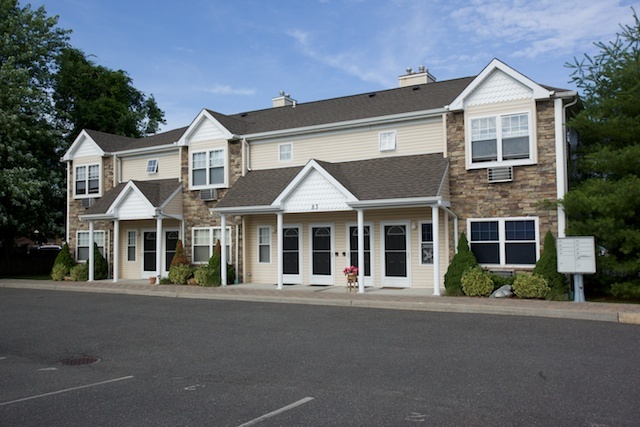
(539, 92)
(197, 122)
(82, 138)
(302, 175)
(124, 196)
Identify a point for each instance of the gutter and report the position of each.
(400, 203)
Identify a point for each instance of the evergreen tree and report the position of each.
(179, 258)
(547, 267)
(65, 258)
(605, 199)
(101, 268)
(462, 261)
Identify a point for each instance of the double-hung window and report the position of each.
(208, 168)
(505, 242)
(501, 138)
(204, 243)
(82, 245)
(132, 239)
(87, 180)
(426, 243)
(264, 244)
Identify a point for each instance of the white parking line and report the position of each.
(277, 411)
(65, 390)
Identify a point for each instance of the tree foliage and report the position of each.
(90, 96)
(605, 200)
(31, 179)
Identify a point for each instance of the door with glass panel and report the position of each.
(353, 252)
(170, 243)
(321, 255)
(291, 242)
(148, 253)
(395, 240)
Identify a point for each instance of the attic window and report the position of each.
(152, 166)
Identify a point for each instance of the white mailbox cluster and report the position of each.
(577, 255)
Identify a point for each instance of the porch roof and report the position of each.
(156, 192)
(402, 177)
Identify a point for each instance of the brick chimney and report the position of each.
(284, 100)
(412, 78)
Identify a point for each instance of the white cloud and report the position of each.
(228, 90)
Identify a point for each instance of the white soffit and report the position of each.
(315, 193)
(498, 87)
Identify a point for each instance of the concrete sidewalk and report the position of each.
(393, 299)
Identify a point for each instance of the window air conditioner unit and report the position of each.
(87, 203)
(500, 174)
(209, 194)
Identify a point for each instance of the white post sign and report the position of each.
(577, 255)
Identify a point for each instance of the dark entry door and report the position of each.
(149, 251)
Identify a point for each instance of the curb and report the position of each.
(577, 313)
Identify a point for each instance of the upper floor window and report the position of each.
(511, 241)
(87, 180)
(285, 152)
(208, 168)
(152, 166)
(501, 138)
(387, 141)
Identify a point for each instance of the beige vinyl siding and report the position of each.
(174, 207)
(136, 168)
(421, 275)
(415, 138)
(91, 160)
(502, 108)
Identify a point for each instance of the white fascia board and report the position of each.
(68, 156)
(566, 94)
(312, 164)
(124, 194)
(95, 217)
(347, 124)
(204, 115)
(398, 203)
(245, 210)
(146, 150)
(539, 92)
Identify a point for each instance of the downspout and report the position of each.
(563, 186)
(68, 224)
(455, 224)
(237, 253)
(248, 156)
(116, 174)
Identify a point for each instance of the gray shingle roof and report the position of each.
(157, 192)
(113, 143)
(373, 104)
(368, 180)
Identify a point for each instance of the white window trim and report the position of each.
(404, 282)
(75, 174)
(212, 244)
(533, 152)
(224, 184)
(259, 244)
(395, 140)
(104, 249)
(420, 242)
(155, 169)
(135, 246)
(502, 240)
(280, 159)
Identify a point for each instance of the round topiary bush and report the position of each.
(59, 271)
(476, 283)
(179, 274)
(205, 276)
(530, 286)
(80, 273)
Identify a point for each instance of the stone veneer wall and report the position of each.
(473, 197)
(196, 211)
(76, 209)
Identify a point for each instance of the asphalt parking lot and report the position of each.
(167, 361)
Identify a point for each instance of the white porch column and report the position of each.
(91, 259)
(280, 251)
(116, 249)
(360, 251)
(158, 249)
(435, 225)
(223, 249)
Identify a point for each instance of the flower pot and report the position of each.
(152, 280)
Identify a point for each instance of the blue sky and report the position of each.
(236, 55)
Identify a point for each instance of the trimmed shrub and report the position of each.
(65, 259)
(462, 261)
(231, 274)
(215, 262)
(530, 286)
(547, 267)
(179, 258)
(58, 272)
(205, 276)
(476, 283)
(500, 281)
(165, 281)
(179, 274)
(80, 273)
(626, 290)
(100, 266)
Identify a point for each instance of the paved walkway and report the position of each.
(394, 299)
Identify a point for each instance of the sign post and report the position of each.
(577, 256)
